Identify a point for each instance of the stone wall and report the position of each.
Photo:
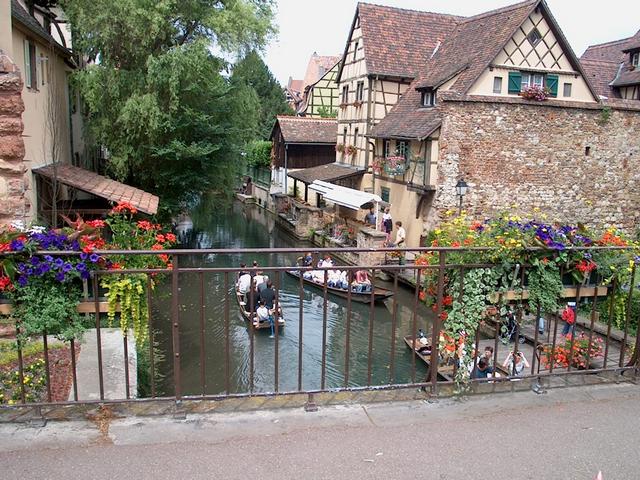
(574, 164)
(14, 203)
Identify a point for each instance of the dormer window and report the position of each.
(428, 98)
(534, 37)
(635, 59)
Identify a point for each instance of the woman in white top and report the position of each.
(515, 363)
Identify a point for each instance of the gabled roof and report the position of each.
(599, 61)
(408, 121)
(307, 129)
(608, 52)
(317, 67)
(476, 41)
(600, 73)
(626, 78)
(397, 41)
(22, 17)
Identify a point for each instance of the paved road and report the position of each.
(565, 434)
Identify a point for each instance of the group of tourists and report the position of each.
(335, 277)
(386, 225)
(257, 287)
(514, 363)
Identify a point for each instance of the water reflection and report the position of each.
(250, 227)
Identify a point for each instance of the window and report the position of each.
(387, 148)
(635, 59)
(345, 94)
(497, 84)
(355, 51)
(344, 136)
(534, 37)
(428, 98)
(30, 67)
(566, 90)
(384, 194)
(520, 80)
(44, 67)
(360, 92)
(402, 149)
(531, 79)
(355, 136)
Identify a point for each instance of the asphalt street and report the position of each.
(568, 433)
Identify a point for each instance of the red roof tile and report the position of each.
(407, 120)
(397, 41)
(100, 186)
(307, 129)
(600, 73)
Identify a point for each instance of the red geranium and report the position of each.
(123, 207)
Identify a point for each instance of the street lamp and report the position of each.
(461, 191)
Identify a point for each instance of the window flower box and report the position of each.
(395, 165)
(535, 92)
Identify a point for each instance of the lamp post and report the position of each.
(461, 191)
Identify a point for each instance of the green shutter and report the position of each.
(27, 64)
(551, 83)
(515, 82)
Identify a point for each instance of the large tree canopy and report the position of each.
(156, 96)
(251, 71)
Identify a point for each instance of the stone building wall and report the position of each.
(574, 164)
(14, 202)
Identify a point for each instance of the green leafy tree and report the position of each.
(251, 71)
(171, 122)
(259, 153)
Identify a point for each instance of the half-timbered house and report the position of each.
(469, 113)
(614, 67)
(321, 98)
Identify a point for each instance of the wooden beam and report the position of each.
(567, 292)
(86, 306)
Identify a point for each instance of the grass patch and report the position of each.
(9, 350)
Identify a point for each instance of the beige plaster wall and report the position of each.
(39, 135)
(6, 38)
(484, 85)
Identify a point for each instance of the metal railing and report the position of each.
(618, 355)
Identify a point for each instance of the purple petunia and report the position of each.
(94, 257)
(84, 256)
(81, 267)
(60, 276)
(22, 281)
(48, 258)
(67, 267)
(35, 261)
(17, 245)
(85, 275)
(58, 263)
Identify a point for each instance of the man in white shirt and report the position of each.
(244, 283)
(400, 235)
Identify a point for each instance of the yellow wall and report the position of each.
(6, 40)
(38, 133)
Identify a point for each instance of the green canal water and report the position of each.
(239, 226)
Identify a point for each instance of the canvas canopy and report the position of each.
(343, 196)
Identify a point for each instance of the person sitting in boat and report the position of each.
(362, 282)
(263, 313)
(261, 286)
(326, 263)
(334, 278)
(483, 369)
(268, 295)
(243, 266)
(258, 279)
(306, 260)
(244, 286)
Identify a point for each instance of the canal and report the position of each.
(238, 226)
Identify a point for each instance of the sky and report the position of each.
(322, 26)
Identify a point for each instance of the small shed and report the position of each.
(303, 142)
(324, 173)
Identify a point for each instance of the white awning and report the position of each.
(343, 196)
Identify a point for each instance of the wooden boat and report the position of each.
(254, 317)
(445, 372)
(380, 293)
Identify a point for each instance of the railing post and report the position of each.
(435, 333)
(175, 315)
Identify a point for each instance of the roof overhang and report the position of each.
(343, 196)
(330, 172)
(100, 186)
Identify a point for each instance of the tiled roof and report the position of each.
(607, 52)
(307, 130)
(327, 173)
(100, 186)
(21, 16)
(318, 66)
(295, 85)
(627, 77)
(407, 120)
(397, 41)
(600, 73)
(474, 43)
